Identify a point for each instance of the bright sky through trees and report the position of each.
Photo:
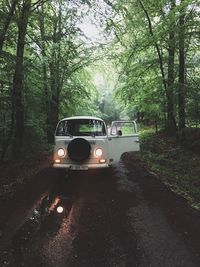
(90, 30)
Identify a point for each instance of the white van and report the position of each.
(83, 142)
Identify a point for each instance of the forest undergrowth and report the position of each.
(175, 162)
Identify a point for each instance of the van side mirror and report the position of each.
(119, 132)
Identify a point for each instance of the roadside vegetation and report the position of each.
(177, 165)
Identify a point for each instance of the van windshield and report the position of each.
(81, 127)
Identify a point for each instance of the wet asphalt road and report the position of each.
(115, 217)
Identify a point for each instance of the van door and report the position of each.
(123, 138)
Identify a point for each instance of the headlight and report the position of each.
(98, 152)
(60, 209)
(61, 152)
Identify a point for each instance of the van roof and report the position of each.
(82, 117)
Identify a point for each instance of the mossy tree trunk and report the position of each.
(18, 92)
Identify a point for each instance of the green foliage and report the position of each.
(56, 82)
(78, 96)
(140, 82)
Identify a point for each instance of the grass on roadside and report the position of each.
(176, 166)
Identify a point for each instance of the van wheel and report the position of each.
(79, 149)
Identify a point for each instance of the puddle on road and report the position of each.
(44, 237)
(45, 221)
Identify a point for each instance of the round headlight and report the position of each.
(98, 152)
(61, 152)
(60, 209)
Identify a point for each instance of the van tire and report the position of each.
(79, 150)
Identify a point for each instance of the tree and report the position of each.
(181, 81)
(171, 123)
(7, 21)
(18, 80)
(57, 47)
(153, 37)
(63, 53)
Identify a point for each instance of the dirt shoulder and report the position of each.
(185, 218)
(175, 165)
(14, 175)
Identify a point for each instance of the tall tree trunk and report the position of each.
(170, 123)
(7, 23)
(181, 86)
(10, 133)
(18, 81)
(155, 43)
(54, 103)
(44, 70)
(55, 74)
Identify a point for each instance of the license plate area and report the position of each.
(78, 167)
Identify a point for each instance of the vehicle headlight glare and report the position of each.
(98, 152)
(61, 152)
(60, 209)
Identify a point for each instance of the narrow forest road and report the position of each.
(117, 217)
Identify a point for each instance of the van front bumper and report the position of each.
(80, 167)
